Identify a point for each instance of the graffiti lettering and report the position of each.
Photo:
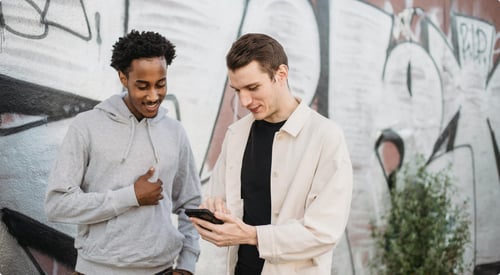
(474, 41)
(32, 22)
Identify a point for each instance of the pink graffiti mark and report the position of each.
(43, 19)
(50, 251)
(48, 264)
(390, 151)
(11, 120)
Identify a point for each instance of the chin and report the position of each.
(259, 116)
(149, 115)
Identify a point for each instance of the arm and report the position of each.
(216, 184)
(216, 191)
(186, 193)
(65, 200)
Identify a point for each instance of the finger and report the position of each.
(226, 217)
(202, 231)
(150, 172)
(206, 203)
(152, 175)
(212, 237)
(220, 205)
(206, 226)
(209, 204)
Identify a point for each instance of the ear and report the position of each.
(123, 78)
(282, 72)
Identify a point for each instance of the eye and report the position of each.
(142, 86)
(161, 84)
(253, 88)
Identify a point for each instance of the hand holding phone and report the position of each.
(204, 214)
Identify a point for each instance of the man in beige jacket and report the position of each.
(283, 181)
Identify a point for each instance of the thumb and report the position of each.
(150, 172)
(152, 175)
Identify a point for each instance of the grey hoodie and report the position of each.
(92, 184)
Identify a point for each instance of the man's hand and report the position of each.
(215, 205)
(148, 193)
(233, 232)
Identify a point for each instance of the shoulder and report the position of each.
(169, 126)
(327, 127)
(169, 123)
(329, 123)
(87, 118)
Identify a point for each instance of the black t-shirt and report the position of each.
(256, 190)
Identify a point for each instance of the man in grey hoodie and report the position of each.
(124, 167)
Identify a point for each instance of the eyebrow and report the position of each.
(146, 82)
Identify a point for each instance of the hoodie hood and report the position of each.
(117, 110)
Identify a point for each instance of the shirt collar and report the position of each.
(293, 125)
(297, 119)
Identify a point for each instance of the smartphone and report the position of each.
(204, 214)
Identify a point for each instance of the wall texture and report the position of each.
(401, 77)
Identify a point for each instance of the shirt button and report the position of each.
(275, 174)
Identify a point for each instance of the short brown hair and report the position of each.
(259, 47)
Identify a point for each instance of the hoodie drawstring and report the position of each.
(157, 159)
(155, 176)
(130, 138)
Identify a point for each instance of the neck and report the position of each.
(288, 105)
(137, 115)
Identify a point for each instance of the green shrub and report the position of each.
(424, 232)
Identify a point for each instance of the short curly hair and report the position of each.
(143, 44)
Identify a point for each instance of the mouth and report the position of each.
(152, 106)
(254, 109)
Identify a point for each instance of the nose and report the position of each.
(153, 94)
(245, 99)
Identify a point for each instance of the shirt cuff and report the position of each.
(265, 241)
(187, 260)
(122, 199)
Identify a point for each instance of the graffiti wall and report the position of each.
(401, 77)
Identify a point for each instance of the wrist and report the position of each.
(253, 240)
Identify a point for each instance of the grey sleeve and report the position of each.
(66, 202)
(186, 193)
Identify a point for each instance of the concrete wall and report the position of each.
(401, 77)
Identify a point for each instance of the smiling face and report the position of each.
(266, 98)
(146, 83)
